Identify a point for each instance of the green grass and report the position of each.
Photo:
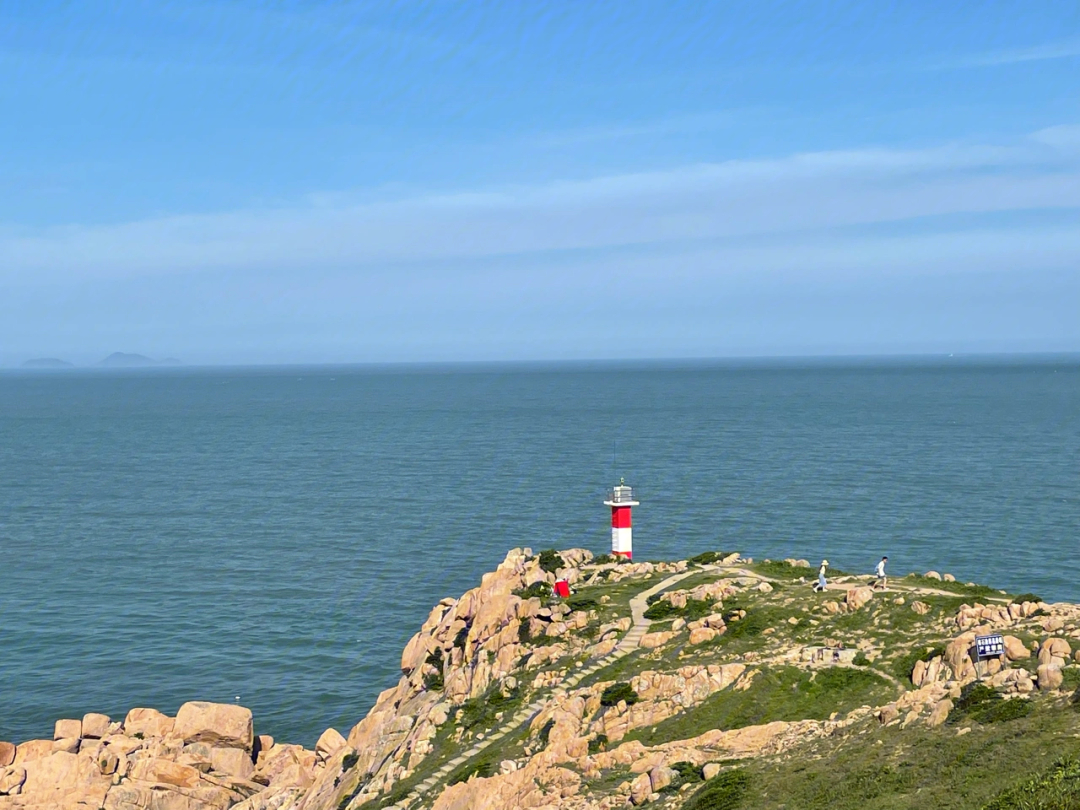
(777, 693)
(725, 791)
(1058, 788)
(479, 712)
(778, 569)
(693, 610)
(915, 768)
(984, 591)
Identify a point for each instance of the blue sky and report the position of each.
(356, 182)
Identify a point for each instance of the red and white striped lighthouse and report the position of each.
(620, 501)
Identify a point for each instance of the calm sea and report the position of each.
(274, 537)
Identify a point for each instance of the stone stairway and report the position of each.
(627, 644)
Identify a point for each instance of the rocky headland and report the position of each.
(714, 682)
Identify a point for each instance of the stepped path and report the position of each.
(629, 642)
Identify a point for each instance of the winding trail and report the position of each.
(627, 644)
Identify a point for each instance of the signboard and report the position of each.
(991, 646)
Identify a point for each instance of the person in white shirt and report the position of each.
(820, 586)
(880, 582)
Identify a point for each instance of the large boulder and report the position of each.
(95, 726)
(1055, 652)
(857, 597)
(232, 761)
(11, 780)
(165, 772)
(221, 724)
(32, 750)
(329, 743)
(7, 754)
(147, 723)
(1015, 649)
(67, 729)
(1049, 677)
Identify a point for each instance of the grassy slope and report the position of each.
(917, 767)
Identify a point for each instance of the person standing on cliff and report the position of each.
(821, 584)
(880, 582)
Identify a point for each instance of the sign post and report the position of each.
(990, 646)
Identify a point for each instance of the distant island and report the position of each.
(47, 362)
(129, 360)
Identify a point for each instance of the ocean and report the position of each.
(274, 536)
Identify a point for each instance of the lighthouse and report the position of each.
(620, 501)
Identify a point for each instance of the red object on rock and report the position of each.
(562, 588)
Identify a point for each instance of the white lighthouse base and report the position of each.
(622, 544)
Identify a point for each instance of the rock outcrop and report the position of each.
(509, 697)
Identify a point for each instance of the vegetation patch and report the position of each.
(1025, 597)
(551, 561)
(433, 681)
(581, 603)
(619, 692)
(1056, 789)
(481, 711)
(709, 557)
(982, 704)
(777, 693)
(725, 791)
(778, 569)
(598, 743)
(686, 773)
(539, 590)
(695, 609)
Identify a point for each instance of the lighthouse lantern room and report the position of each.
(621, 500)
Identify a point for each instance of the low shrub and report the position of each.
(686, 773)
(462, 636)
(708, 557)
(604, 559)
(433, 681)
(349, 760)
(540, 590)
(598, 743)
(725, 791)
(484, 769)
(551, 561)
(860, 659)
(619, 691)
(581, 603)
(694, 609)
(982, 704)
(661, 610)
(545, 733)
(749, 626)
(1025, 597)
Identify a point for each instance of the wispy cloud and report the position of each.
(1062, 49)
(799, 193)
